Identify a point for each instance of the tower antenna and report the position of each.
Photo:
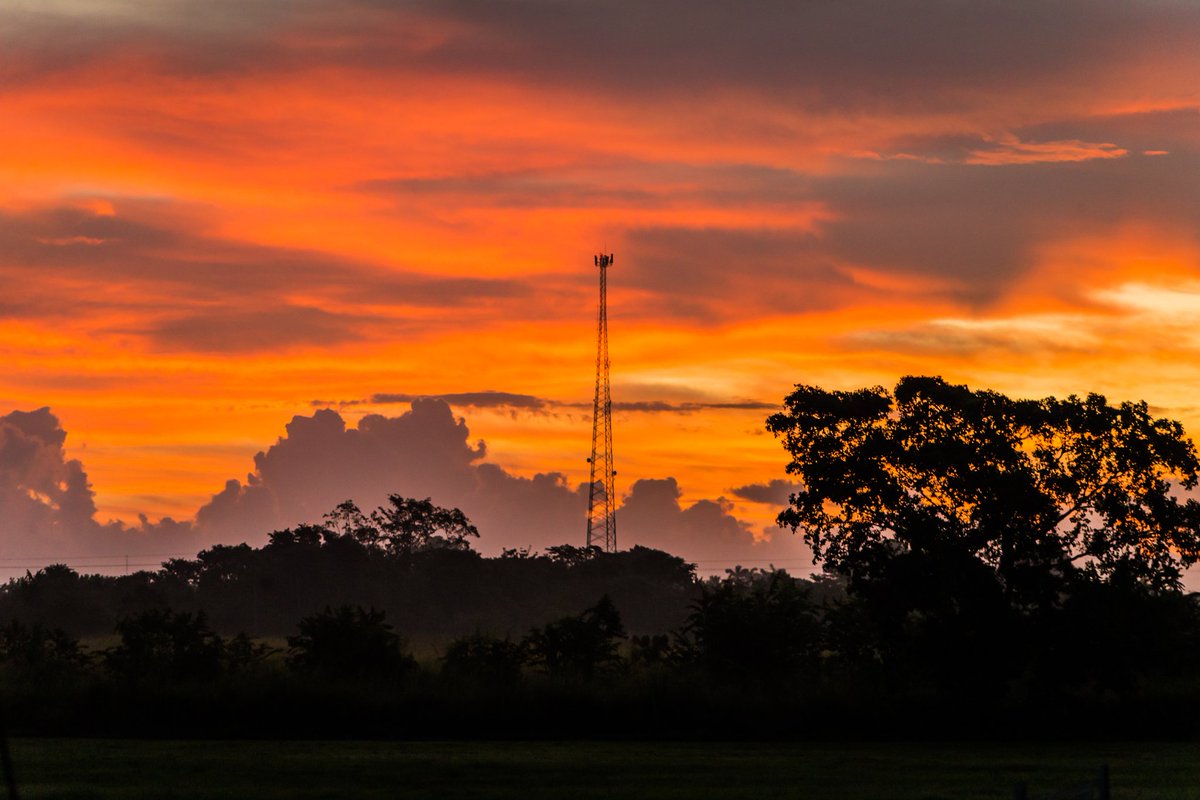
(602, 494)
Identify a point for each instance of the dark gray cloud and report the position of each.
(525, 189)
(190, 291)
(526, 402)
(856, 55)
(1170, 130)
(713, 273)
(668, 407)
(969, 230)
(470, 399)
(603, 180)
(980, 227)
(774, 493)
(268, 329)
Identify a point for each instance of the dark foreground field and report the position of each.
(83, 768)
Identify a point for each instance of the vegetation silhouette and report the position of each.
(349, 643)
(1041, 493)
(992, 568)
(580, 646)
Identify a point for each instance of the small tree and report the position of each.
(404, 525)
(485, 658)
(409, 526)
(349, 643)
(36, 653)
(754, 624)
(164, 645)
(579, 646)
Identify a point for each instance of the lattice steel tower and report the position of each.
(602, 495)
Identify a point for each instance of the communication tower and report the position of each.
(602, 494)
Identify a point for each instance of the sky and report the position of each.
(261, 257)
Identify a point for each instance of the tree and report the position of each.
(349, 643)
(485, 658)
(405, 525)
(1040, 492)
(754, 624)
(579, 646)
(37, 653)
(164, 645)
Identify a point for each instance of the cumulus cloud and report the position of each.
(774, 493)
(427, 452)
(48, 504)
(50, 512)
(705, 531)
(45, 497)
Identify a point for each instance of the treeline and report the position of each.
(389, 625)
(410, 559)
(758, 654)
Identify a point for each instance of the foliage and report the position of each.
(166, 645)
(571, 555)
(755, 624)
(485, 658)
(580, 646)
(406, 525)
(1041, 492)
(33, 652)
(347, 643)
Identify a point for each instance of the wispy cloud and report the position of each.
(525, 402)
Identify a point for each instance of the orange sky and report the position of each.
(214, 217)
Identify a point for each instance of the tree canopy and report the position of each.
(1037, 491)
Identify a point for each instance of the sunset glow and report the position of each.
(214, 219)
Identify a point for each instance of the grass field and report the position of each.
(89, 768)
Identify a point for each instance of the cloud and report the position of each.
(1021, 336)
(705, 531)
(526, 402)
(526, 189)
(852, 55)
(45, 497)
(980, 228)
(269, 329)
(183, 290)
(775, 493)
(664, 406)
(712, 274)
(319, 462)
(487, 399)
(49, 508)
(426, 452)
(1011, 150)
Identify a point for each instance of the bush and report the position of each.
(168, 646)
(349, 643)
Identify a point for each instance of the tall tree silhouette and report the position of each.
(1040, 492)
